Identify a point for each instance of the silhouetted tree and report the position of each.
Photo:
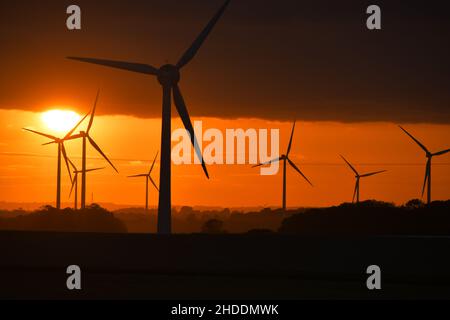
(213, 226)
(186, 210)
(48, 208)
(260, 231)
(414, 204)
(92, 219)
(371, 218)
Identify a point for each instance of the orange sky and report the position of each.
(133, 142)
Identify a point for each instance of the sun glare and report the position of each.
(60, 120)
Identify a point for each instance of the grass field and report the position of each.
(271, 266)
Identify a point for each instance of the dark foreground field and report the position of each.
(266, 266)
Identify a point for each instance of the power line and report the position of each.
(35, 155)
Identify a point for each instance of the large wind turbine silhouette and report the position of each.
(168, 77)
(85, 135)
(429, 155)
(358, 177)
(147, 179)
(61, 151)
(76, 172)
(285, 159)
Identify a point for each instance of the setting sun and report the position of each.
(60, 120)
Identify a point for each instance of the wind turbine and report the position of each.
(85, 135)
(75, 181)
(429, 155)
(285, 159)
(147, 178)
(168, 77)
(61, 150)
(358, 177)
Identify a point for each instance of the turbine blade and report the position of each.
(76, 136)
(290, 141)
(74, 128)
(64, 153)
(138, 175)
(372, 173)
(298, 170)
(427, 174)
(153, 164)
(72, 165)
(51, 142)
(95, 169)
(267, 162)
(351, 167)
(42, 134)
(417, 141)
(441, 152)
(184, 115)
(74, 182)
(191, 52)
(153, 183)
(129, 66)
(91, 120)
(101, 152)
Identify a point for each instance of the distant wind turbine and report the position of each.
(358, 177)
(61, 150)
(285, 159)
(429, 155)
(75, 181)
(168, 76)
(147, 179)
(85, 135)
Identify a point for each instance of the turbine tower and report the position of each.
(285, 159)
(75, 181)
(147, 179)
(429, 155)
(85, 136)
(358, 177)
(61, 151)
(168, 77)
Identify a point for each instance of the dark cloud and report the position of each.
(312, 60)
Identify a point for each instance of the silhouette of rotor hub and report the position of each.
(168, 75)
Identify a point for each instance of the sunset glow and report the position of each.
(60, 120)
(25, 165)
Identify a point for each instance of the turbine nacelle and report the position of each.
(82, 134)
(168, 75)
